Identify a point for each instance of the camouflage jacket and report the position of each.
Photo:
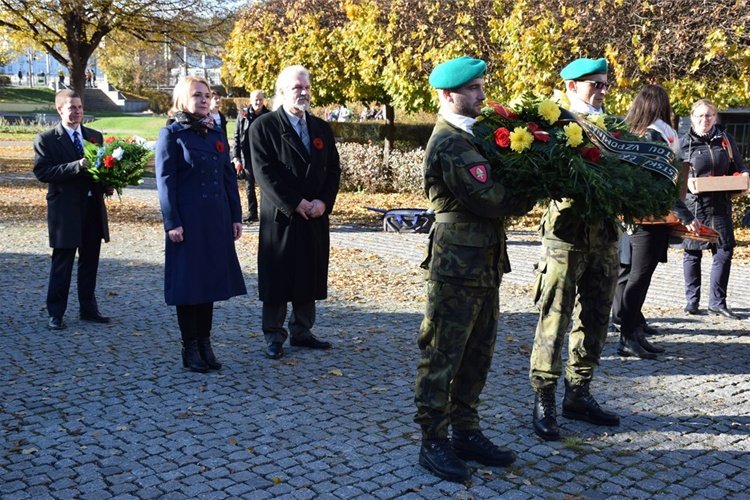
(467, 242)
(563, 227)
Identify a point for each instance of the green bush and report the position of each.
(229, 108)
(4, 81)
(158, 102)
(740, 207)
(412, 135)
(363, 169)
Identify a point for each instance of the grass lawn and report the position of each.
(26, 99)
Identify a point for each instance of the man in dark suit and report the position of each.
(296, 164)
(76, 214)
(241, 149)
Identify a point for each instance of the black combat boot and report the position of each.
(630, 346)
(438, 457)
(579, 404)
(207, 354)
(545, 414)
(640, 334)
(191, 358)
(473, 445)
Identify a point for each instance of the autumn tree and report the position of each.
(70, 30)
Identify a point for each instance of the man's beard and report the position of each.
(301, 106)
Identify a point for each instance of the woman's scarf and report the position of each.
(201, 125)
(667, 132)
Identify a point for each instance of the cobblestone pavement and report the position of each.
(107, 411)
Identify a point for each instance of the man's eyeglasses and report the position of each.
(597, 85)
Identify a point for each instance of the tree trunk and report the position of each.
(389, 132)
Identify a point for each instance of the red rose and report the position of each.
(110, 139)
(220, 146)
(503, 111)
(539, 134)
(616, 134)
(592, 154)
(109, 161)
(317, 143)
(502, 137)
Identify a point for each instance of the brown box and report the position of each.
(720, 183)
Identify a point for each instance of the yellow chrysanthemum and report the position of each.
(520, 139)
(596, 119)
(549, 111)
(574, 133)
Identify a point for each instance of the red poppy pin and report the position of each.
(479, 172)
(93, 140)
(318, 143)
(220, 146)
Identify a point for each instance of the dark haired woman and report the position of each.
(643, 248)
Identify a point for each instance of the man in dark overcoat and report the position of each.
(241, 149)
(76, 214)
(296, 165)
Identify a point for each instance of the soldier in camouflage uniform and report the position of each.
(465, 263)
(576, 280)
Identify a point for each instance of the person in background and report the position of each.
(296, 165)
(76, 213)
(241, 150)
(214, 111)
(576, 281)
(201, 208)
(643, 248)
(465, 263)
(710, 151)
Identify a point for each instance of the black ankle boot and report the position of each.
(191, 358)
(545, 415)
(630, 346)
(579, 404)
(473, 445)
(438, 457)
(207, 354)
(647, 346)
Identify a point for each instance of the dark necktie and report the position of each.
(77, 143)
(303, 135)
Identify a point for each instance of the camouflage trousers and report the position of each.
(457, 340)
(577, 285)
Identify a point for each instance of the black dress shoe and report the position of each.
(191, 358)
(473, 445)
(250, 220)
(647, 346)
(438, 457)
(692, 309)
(55, 323)
(94, 317)
(723, 311)
(579, 404)
(631, 347)
(310, 342)
(545, 415)
(275, 350)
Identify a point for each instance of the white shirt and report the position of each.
(465, 123)
(71, 130)
(579, 106)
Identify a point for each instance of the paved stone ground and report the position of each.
(107, 411)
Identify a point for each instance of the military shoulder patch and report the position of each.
(479, 172)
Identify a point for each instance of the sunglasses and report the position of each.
(597, 85)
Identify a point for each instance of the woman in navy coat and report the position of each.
(201, 208)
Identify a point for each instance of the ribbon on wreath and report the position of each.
(648, 155)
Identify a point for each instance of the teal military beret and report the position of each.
(456, 72)
(582, 67)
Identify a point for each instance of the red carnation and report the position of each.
(317, 143)
(502, 137)
(503, 111)
(220, 146)
(110, 139)
(109, 161)
(592, 154)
